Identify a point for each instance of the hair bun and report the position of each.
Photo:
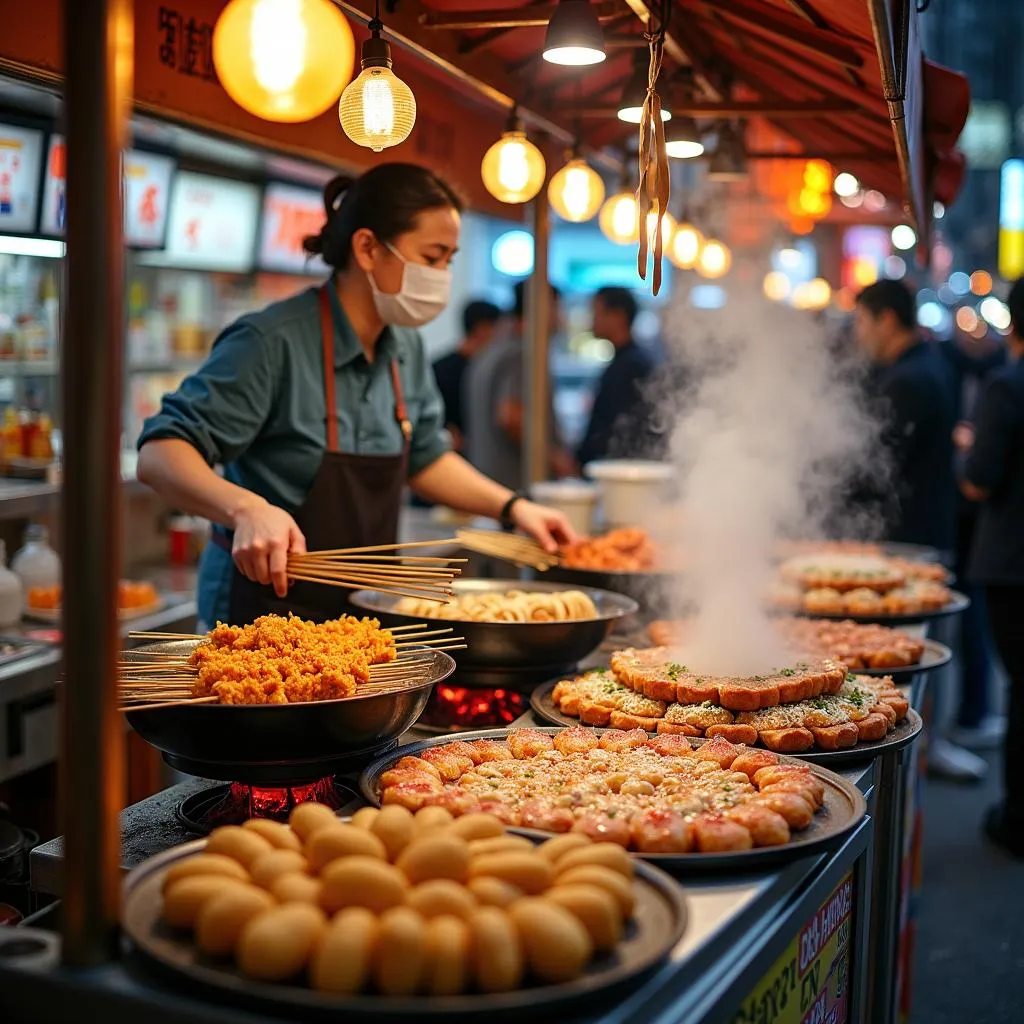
(334, 190)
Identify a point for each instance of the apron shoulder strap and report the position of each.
(327, 347)
(401, 413)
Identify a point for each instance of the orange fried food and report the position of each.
(626, 550)
(280, 660)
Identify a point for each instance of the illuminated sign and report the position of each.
(21, 150)
(1011, 220)
(290, 215)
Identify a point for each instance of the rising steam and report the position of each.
(768, 435)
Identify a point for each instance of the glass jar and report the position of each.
(10, 593)
(36, 563)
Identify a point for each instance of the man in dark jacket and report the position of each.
(914, 389)
(620, 420)
(994, 476)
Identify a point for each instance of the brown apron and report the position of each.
(354, 502)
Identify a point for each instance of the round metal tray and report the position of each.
(843, 809)
(958, 603)
(523, 646)
(656, 927)
(905, 732)
(278, 734)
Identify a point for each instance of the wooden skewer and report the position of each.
(426, 560)
(145, 635)
(440, 597)
(369, 569)
(418, 638)
(390, 547)
(426, 583)
(171, 704)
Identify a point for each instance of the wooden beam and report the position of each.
(510, 17)
(770, 109)
(808, 13)
(789, 30)
(486, 38)
(835, 157)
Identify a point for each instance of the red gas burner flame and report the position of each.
(467, 708)
(242, 802)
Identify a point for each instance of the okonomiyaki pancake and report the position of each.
(661, 674)
(843, 572)
(652, 794)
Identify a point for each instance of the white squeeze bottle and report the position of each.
(10, 592)
(36, 563)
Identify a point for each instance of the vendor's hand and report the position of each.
(547, 526)
(264, 538)
(963, 436)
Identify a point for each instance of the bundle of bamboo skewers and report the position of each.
(509, 547)
(158, 679)
(424, 576)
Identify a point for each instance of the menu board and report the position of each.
(810, 982)
(211, 225)
(290, 214)
(147, 187)
(21, 150)
(147, 194)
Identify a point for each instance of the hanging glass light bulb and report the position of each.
(377, 109)
(618, 218)
(283, 60)
(576, 191)
(686, 246)
(715, 259)
(513, 169)
(631, 106)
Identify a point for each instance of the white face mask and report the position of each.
(422, 295)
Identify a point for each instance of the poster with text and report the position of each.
(21, 149)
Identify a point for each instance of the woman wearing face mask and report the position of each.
(322, 407)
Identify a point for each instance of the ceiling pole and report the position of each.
(536, 362)
(99, 43)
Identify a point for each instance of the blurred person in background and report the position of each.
(971, 361)
(493, 407)
(994, 476)
(621, 417)
(913, 388)
(480, 322)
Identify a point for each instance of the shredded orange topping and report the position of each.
(289, 660)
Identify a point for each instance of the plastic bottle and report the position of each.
(11, 594)
(42, 444)
(10, 436)
(36, 563)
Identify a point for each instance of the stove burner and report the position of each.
(280, 775)
(457, 707)
(236, 802)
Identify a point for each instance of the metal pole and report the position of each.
(536, 365)
(99, 47)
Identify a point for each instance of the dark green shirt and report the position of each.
(257, 407)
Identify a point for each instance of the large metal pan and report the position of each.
(281, 734)
(652, 591)
(515, 645)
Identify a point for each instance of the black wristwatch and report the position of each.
(505, 518)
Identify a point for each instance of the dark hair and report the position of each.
(386, 199)
(618, 300)
(479, 312)
(893, 296)
(519, 306)
(1015, 304)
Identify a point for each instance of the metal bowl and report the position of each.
(282, 733)
(515, 645)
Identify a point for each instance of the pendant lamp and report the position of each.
(574, 37)
(513, 169)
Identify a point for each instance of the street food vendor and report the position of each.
(321, 408)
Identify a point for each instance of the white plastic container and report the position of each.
(575, 498)
(11, 594)
(36, 564)
(631, 489)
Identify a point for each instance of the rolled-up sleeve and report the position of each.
(221, 408)
(994, 423)
(430, 440)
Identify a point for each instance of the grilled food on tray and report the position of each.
(661, 674)
(401, 904)
(625, 550)
(864, 709)
(280, 660)
(511, 606)
(846, 584)
(856, 645)
(655, 795)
